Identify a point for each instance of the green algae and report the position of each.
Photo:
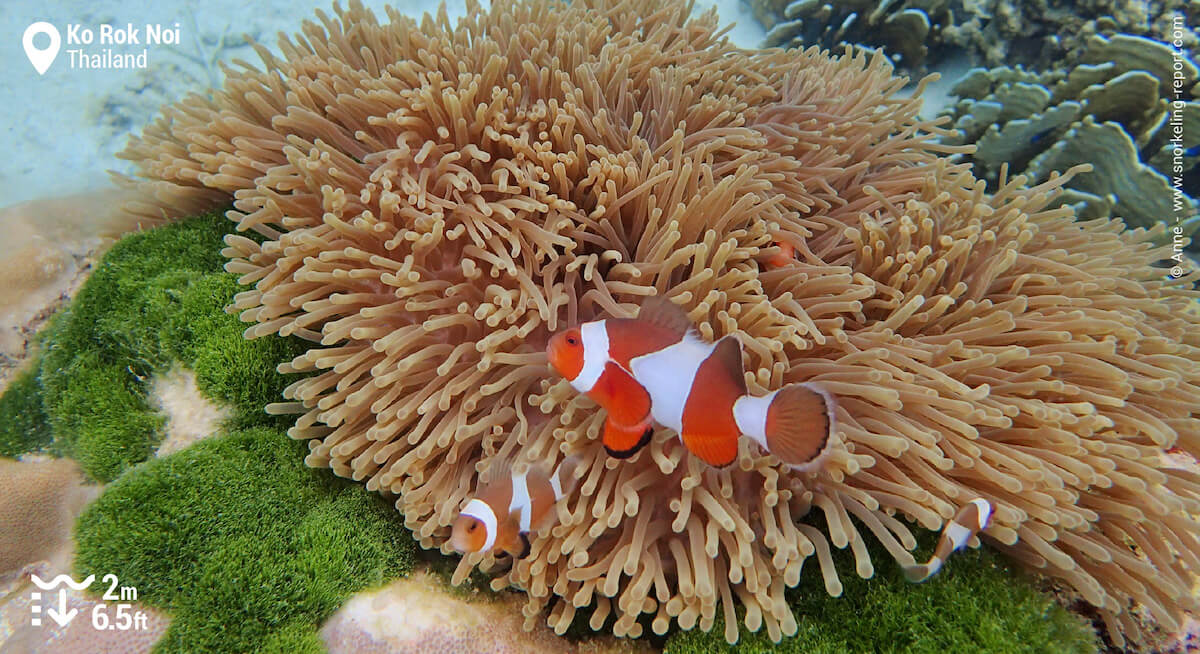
(977, 603)
(157, 298)
(241, 542)
(24, 426)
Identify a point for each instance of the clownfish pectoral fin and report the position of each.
(622, 442)
(510, 536)
(625, 400)
(919, 572)
(661, 312)
(971, 519)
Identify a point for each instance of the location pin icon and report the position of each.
(41, 59)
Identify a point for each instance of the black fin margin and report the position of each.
(625, 454)
(525, 546)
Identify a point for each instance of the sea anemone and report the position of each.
(433, 202)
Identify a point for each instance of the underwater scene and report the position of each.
(600, 326)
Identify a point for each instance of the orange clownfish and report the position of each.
(655, 368)
(971, 519)
(784, 257)
(503, 513)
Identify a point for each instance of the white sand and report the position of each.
(62, 129)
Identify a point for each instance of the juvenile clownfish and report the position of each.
(971, 519)
(504, 512)
(656, 368)
(785, 256)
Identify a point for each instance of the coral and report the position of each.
(900, 30)
(1115, 114)
(154, 301)
(190, 416)
(416, 616)
(240, 542)
(48, 247)
(38, 502)
(916, 33)
(1137, 193)
(434, 201)
(19, 636)
(999, 617)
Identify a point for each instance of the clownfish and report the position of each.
(971, 519)
(504, 512)
(785, 256)
(655, 368)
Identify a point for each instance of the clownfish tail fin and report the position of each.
(794, 423)
(919, 572)
(972, 518)
(563, 481)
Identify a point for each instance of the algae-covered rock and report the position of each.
(971, 606)
(241, 544)
(237, 539)
(156, 300)
(1117, 112)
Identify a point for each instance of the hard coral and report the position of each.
(437, 200)
(38, 502)
(1117, 111)
(418, 616)
(19, 634)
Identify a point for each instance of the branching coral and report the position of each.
(438, 200)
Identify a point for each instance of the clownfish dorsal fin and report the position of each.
(661, 312)
(728, 352)
(498, 489)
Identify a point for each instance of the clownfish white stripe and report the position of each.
(668, 376)
(480, 510)
(595, 355)
(555, 484)
(521, 504)
(972, 518)
(750, 414)
(985, 511)
(957, 534)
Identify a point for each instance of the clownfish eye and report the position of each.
(571, 340)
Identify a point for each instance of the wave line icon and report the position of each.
(60, 580)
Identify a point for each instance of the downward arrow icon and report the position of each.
(62, 616)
